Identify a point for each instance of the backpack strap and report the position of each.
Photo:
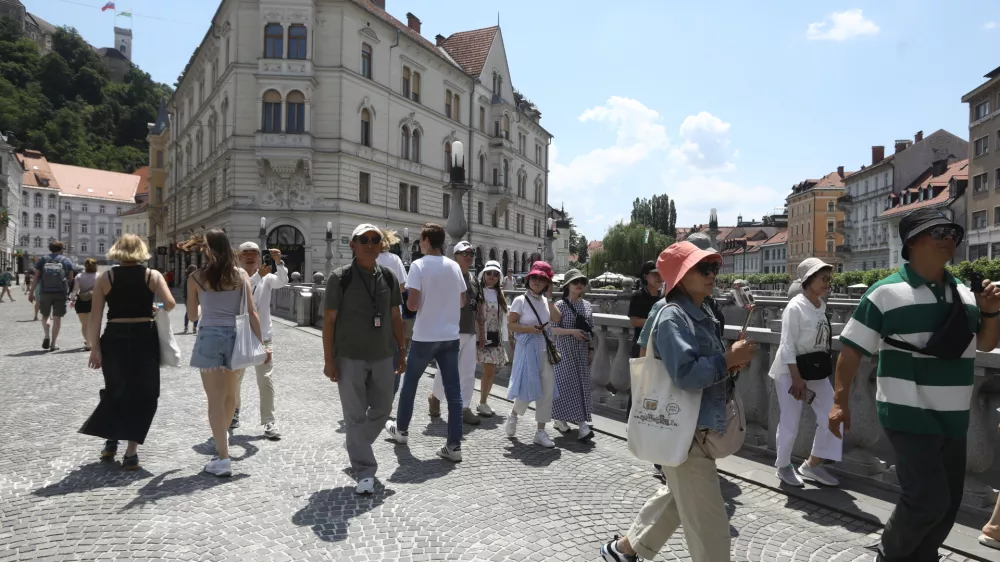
(346, 276)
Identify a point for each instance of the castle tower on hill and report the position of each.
(123, 42)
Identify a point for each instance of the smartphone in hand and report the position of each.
(810, 395)
(976, 282)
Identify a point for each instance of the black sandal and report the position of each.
(110, 450)
(130, 463)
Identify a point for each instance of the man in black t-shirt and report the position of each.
(643, 300)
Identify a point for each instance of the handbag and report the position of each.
(493, 339)
(661, 427)
(170, 352)
(248, 350)
(950, 340)
(554, 356)
(720, 445)
(579, 322)
(817, 365)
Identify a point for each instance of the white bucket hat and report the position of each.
(491, 265)
(809, 267)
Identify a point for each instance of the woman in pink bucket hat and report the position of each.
(696, 360)
(532, 378)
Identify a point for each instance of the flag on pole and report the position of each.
(645, 239)
(125, 14)
(109, 6)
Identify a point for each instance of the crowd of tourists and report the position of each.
(383, 325)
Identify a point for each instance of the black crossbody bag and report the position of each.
(580, 323)
(950, 340)
(817, 365)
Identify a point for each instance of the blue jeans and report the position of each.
(395, 362)
(420, 356)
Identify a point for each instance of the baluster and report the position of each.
(620, 373)
(600, 370)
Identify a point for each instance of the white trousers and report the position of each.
(466, 370)
(825, 444)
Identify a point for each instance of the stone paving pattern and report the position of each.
(293, 499)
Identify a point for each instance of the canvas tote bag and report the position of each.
(248, 351)
(170, 352)
(664, 416)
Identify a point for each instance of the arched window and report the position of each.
(447, 156)
(38, 220)
(366, 127)
(272, 112)
(506, 127)
(38, 200)
(506, 173)
(297, 41)
(52, 222)
(296, 104)
(404, 143)
(52, 201)
(274, 39)
(482, 167)
(415, 146)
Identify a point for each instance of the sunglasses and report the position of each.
(467, 253)
(365, 239)
(579, 282)
(707, 268)
(942, 232)
(492, 274)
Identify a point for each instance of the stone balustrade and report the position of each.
(867, 452)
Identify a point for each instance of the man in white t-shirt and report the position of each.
(393, 263)
(437, 293)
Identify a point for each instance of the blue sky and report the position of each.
(723, 104)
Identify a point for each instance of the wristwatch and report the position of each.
(990, 314)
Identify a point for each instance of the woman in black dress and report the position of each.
(129, 351)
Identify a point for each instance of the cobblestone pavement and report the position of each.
(292, 499)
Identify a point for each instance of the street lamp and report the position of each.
(457, 187)
(262, 234)
(329, 249)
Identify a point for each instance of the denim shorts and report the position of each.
(214, 347)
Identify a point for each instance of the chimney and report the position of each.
(901, 145)
(439, 39)
(840, 171)
(918, 137)
(379, 3)
(412, 22)
(878, 154)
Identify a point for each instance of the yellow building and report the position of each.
(812, 221)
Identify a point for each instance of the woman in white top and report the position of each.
(805, 329)
(82, 296)
(532, 378)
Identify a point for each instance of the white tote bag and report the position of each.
(248, 351)
(170, 352)
(664, 416)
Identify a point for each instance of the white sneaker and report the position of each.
(365, 486)
(819, 474)
(395, 434)
(585, 433)
(788, 475)
(561, 426)
(271, 431)
(543, 439)
(219, 467)
(453, 455)
(510, 426)
(485, 410)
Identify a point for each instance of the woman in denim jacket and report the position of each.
(695, 360)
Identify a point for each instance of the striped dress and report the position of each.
(916, 393)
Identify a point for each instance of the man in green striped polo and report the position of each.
(926, 346)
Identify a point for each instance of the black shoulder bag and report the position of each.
(580, 323)
(950, 339)
(554, 356)
(817, 365)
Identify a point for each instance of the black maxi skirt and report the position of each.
(131, 366)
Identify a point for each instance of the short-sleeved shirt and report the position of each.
(66, 263)
(526, 312)
(441, 284)
(5, 278)
(916, 393)
(467, 321)
(639, 306)
(355, 335)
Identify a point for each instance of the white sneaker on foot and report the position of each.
(788, 475)
(819, 474)
(560, 426)
(395, 434)
(485, 410)
(271, 431)
(510, 426)
(365, 486)
(219, 467)
(543, 439)
(453, 455)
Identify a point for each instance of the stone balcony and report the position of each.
(867, 452)
(284, 140)
(286, 68)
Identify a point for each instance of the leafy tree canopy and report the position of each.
(625, 248)
(65, 105)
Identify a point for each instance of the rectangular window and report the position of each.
(100, 209)
(100, 247)
(274, 41)
(366, 60)
(296, 117)
(446, 205)
(297, 42)
(996, 220)
(829, 225)
(100, 229)
(67, 206)
(211, 192)
(996, 175)
(979, 219)
(65, 227)
(482, 120)
(83, 208)
(982, 110)
(447, 104)
(404, 197)
(83, 245)
(365, 187)
(406, 82)
(272, 116)
(479, 212)
(83, 227)
(977, 251)
(415, 86)
(159, 158)
(118, 232)
(494, 219)
(506, 220)
(414, 199)
(980, 183)
(982, 145)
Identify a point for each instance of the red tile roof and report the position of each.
(470, 48)
(75, 181)
(832, 179)
(143, 174)
(779, 238)
(36, 170)
(958, 170)
(389, 19)
(594, 245)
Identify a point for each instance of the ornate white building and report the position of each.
(307, 112)
(10, 203)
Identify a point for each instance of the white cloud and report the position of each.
(990, 25)
(841, 26)
(697, 195)
(638, 135)
(706, 145)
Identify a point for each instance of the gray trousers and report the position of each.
(366, 395)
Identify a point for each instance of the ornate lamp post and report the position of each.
(457, 187)
(262, 235)
(329, 249)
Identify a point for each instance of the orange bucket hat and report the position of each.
(675, 261)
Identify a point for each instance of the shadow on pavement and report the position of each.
(161, 488)
(412, 470)
(93, 476)
(31, 353)
(799, 499)
(730, 491)
(329, 511)
(244, 441)
(531, 454)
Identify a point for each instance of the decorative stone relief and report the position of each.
(285, 183)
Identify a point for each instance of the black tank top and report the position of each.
(129, 296)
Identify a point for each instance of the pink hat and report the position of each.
(674, 262)
(541, 269)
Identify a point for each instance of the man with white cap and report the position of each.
(467, 339)
(262, 282)
(362, 327)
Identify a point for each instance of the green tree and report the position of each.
(654, 213)
(624, 248)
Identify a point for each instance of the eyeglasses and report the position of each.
(708, 267)
(365, 239)
(942, 232)
(467, 253)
